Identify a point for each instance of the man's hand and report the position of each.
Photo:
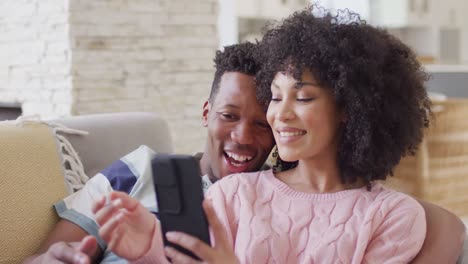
(222, 252)
(125, 225)
(70, 253)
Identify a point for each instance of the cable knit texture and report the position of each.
(268, 222)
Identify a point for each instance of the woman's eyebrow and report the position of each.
(299, 85)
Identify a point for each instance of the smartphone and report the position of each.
(179, 194)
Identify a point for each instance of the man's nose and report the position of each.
(243, 134)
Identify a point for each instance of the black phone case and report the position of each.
(179, 193)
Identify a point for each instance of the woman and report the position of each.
(347, 102)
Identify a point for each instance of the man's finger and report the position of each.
(198, 247)
(88, 245)
(68, 253)
(219, 232)
(177, 257)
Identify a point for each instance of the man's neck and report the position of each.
(205, 167)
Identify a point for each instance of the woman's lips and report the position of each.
(287, 135)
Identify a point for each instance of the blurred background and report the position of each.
(72, 57)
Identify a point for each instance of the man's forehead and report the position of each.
(229, 78)
(236, 83)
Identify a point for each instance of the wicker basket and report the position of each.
(439, 171)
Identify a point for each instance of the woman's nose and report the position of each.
(284, 112)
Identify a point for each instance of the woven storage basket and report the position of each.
(438, 173)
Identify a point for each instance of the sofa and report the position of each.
(42, 162)
(35, 160)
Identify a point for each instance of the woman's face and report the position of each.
(304, 118)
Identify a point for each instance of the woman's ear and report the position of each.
(344, 117)
(206, 111)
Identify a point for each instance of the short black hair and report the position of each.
(376, 80)
(243, 58)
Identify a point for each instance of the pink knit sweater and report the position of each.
(268, 222)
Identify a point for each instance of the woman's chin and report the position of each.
(289, 157)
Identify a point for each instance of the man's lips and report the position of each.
(238, 162)
(239, 157)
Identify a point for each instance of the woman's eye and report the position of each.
(276, 99)
(305, 99)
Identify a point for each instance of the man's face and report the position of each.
(239, 137)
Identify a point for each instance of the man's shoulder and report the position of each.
(266, 166)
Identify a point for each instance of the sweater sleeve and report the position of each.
(218, 197)
(400, 234)
(156, 253)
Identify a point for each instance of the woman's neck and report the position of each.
(316, 176)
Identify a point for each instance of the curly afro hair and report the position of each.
(375, 78)
(243, 58)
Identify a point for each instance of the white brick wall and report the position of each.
(94, 56)
(35, 56)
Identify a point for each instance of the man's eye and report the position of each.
(263, 124)
(227, 116)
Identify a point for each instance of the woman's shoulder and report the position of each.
(245, 181)
(391, 208)
(397, 223)
(248, 178)
(389, 200)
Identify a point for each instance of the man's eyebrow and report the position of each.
(231, 105)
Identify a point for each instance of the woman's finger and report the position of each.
(178, 257)
(98, 204)
(110, 210)
(219, 232)
(115, 239)
(198, 247)
(128, 202)
(109, 229)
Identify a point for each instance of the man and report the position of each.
(239, 139)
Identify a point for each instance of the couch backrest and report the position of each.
(113, 135)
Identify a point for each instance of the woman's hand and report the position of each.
(222, 252)
(125, 225)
